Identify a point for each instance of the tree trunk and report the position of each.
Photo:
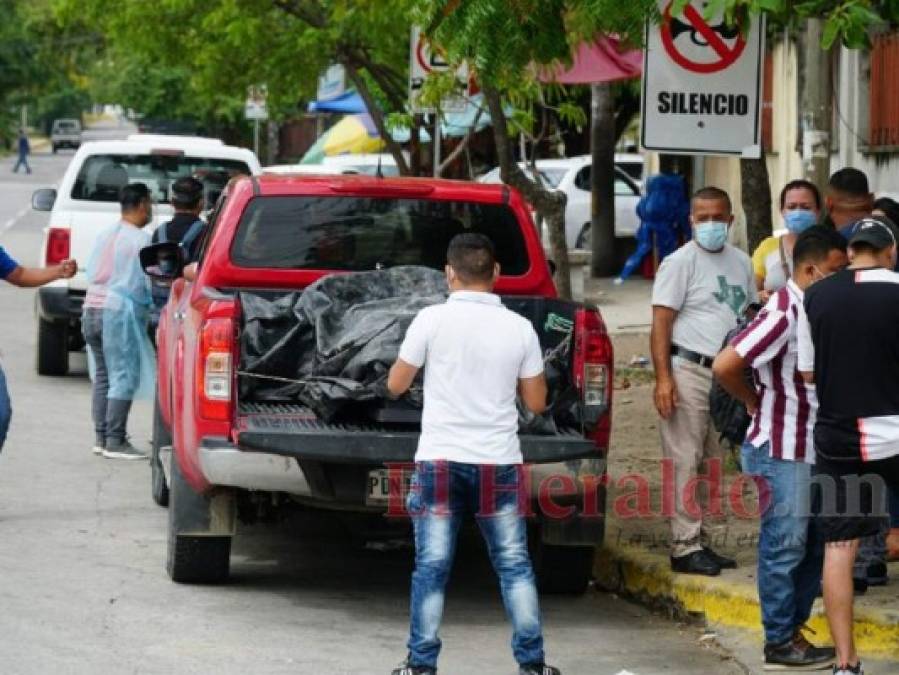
(602, 181)
(756, 195)
(817, 105)
(377, 117)
(550, 204)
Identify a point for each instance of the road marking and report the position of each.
(9, 224)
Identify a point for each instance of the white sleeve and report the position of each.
(671, 283)
(532, 363)
(806, 362)
(414, 349)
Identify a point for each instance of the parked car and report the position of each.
(222, 450)
(65, 133)
(366, 165)
(572, 176)
(87, 201)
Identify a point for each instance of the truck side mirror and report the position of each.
(164, 261)
(43, 199)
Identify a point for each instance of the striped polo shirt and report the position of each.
(787, 405)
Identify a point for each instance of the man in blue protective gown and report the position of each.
(664, 213)
(116, 313)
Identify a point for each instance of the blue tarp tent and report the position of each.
(349, 102)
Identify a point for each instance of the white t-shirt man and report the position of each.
(709, 292)
(474, 351)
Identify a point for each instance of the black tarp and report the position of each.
(336, 339)
(330, 346)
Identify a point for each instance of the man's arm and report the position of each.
(29, 277)
(533, 392)
(660, 345)
(806, 360)
(400, 378)
(728, 369)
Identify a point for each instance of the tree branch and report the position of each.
(308, 11)
(377, 116)
(463, 144)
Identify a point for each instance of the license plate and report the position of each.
(379, 486)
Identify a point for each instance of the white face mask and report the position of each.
(711, 234)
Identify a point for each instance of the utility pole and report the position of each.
(816, 105)
(602, 181)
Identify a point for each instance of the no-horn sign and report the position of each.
(702, 83)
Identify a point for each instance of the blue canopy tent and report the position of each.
(349, 102)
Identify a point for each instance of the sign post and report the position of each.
(255, 109)
(702, 84)
(422, 62)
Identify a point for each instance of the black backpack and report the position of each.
(729, 415)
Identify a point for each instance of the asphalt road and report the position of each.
(83, 587)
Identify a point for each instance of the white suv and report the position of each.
(87, 201)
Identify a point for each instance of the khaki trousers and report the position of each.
(688, 439)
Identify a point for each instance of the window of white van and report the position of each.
(102, 176)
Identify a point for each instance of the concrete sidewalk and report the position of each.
(634, 560)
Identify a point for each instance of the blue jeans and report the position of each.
(5, 409)
(441, 494)
(791, 556)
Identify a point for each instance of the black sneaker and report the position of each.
(797, 654)
(698, 562)
(849, 670)
(123, 450)
(407, 669)
(537, 669)
(877, 574)
(724, 562)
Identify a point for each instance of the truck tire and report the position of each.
(192, 558)
(161, 438)
(52, 348)
(562, 570)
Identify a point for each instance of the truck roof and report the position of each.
(142, 144)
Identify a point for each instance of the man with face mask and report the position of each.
(779, 452)
(476, 355)
(116, 312)
(699, 293)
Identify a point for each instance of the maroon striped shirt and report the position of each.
(787, 405)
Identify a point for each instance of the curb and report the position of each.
(647, 578)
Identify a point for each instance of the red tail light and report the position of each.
(59, 245)
(593, 373)
(214, 379)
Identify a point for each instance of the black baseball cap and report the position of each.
(874, 231)
(187, 191)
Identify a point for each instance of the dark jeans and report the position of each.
(22, 161)
(894, 506)
(5, 409)
(110, 415)
(791, 556)
(441, 494)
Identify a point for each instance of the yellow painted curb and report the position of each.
(642, 575)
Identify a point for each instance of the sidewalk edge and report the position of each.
(646, 577)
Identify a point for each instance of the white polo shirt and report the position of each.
(473, 351)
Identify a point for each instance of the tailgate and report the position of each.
(295, 431)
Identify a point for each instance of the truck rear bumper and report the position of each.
(58, 303)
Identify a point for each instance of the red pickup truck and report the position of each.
(216, 449)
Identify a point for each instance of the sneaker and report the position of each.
(123, 450)
(537, 669)
(618, 281)
(849, 670)
(798, 654)
(877, 574)
(99, 444)
(406, 668)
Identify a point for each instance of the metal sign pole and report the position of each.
(436, 143)
(256, 136)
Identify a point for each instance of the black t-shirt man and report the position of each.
(851, 342)
(177, 228)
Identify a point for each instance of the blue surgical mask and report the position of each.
(711, 235)
(799, 220)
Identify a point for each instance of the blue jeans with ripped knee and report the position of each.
(440, 496)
